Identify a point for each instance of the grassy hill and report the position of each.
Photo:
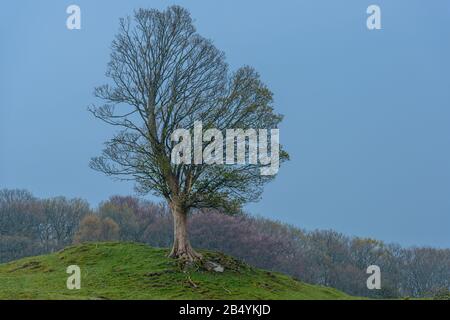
(136, 271)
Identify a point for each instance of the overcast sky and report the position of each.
(367, 113)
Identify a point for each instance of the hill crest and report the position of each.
(136, 271)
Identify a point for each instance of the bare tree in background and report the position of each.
(165, 76)
(60, 221)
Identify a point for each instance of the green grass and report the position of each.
(136, 271)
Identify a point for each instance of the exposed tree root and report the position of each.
(185, 254)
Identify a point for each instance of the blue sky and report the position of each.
(366, 112)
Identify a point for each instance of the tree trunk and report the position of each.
(181, 246)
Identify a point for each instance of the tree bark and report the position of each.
(182, 248)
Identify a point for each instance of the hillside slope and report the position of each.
(136, 271)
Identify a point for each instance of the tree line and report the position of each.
(30, 226)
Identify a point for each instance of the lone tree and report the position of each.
(164, 76)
